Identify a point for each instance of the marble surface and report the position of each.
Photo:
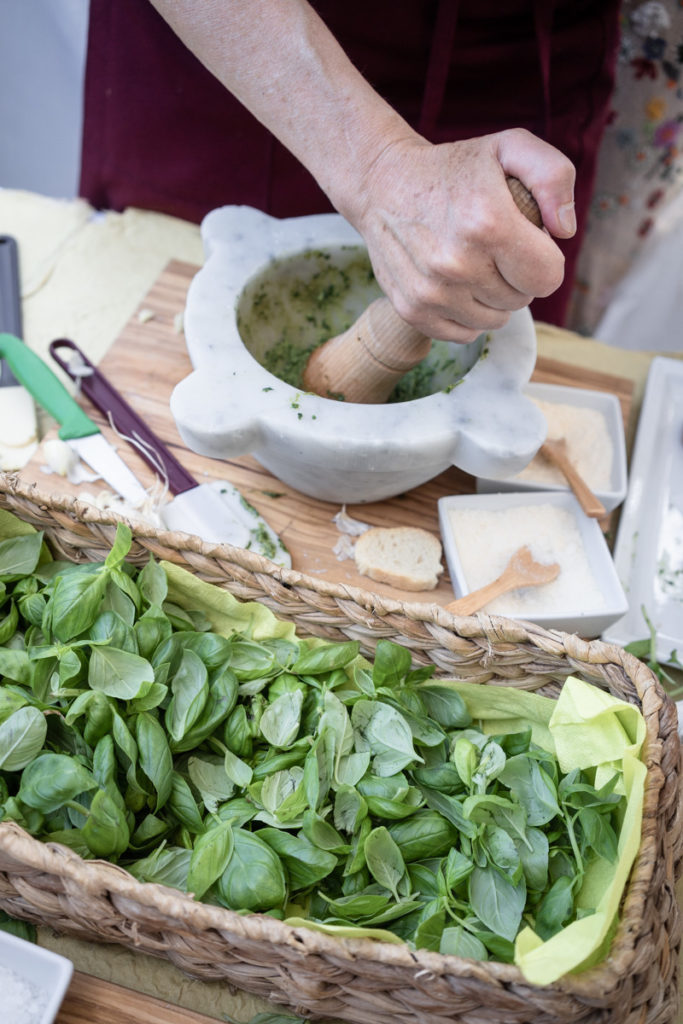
(334, 451)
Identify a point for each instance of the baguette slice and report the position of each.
(406, 557)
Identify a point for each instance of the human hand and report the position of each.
(447, 243)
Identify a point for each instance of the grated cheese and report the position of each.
(589, 446)
(22, 1001)
(486, 540)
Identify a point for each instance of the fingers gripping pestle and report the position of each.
(364, 363)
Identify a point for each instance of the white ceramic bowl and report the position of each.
(502, 528)
(583, 398)
(265, 281)
(46, 973)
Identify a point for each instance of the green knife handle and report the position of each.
(46, 388)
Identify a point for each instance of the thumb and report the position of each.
(547, 173)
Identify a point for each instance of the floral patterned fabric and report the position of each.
(640, 166)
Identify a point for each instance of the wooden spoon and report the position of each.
(364, 363)
(555, 451)
(521, 571)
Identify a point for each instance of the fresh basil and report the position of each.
(265, 773)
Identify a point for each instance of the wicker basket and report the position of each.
(360, 980)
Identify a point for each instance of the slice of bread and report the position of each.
(406, 557)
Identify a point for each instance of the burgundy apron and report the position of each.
(161, 133)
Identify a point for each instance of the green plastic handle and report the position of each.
(46, 388)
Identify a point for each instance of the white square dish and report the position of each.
(585, 598)
(45, 974)
(611, 494)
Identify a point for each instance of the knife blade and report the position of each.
(18, 423)
(216, 511)
(76, 427)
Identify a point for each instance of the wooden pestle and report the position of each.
(364, 363)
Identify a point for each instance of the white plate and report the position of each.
(648, 552)
(585, 398)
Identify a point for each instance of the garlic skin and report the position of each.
(347, 524)
(60, 457)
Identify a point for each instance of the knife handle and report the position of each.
(46, 388)
(104, 396)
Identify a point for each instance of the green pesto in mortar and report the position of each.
(299, 302)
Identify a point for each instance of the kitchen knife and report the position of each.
(215, 511)
(77, 429)
(18, 426)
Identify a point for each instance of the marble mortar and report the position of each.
(265, 279)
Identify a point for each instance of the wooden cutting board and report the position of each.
(93, 1001)
(150, 358)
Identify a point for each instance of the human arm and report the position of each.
(447, 243)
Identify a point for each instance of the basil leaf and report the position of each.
(238, 771)
(555, 908)
(112, 629)
(105, 832)
(149, 832)
(383, 731)
(305, 863)
(153, 583)
(154, 756)
(210, 857)
(51, 780)
(532, 787)
(208, 776)
(15, 665)
(22, 736)
(391, 664)
(283, 794)
(218, 706)
(8, 625)
(322, 834)
(457, 941)
(76, 601)
(280, 721)
(254, 878)
(425, 834)
(183, 805)
(19, 556)
(384, 859)
(497, 902)
(190, 689)
(445, 706)
(167, 866)
(318, 660)
(533, 853)
(11, 699)
(118, 673)
(429, 931)
(349, 809)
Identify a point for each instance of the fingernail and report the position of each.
(567, 218)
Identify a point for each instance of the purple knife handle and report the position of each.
(109, 401)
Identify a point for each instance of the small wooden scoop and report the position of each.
(521, 571)
(364, 363)
(555, 451)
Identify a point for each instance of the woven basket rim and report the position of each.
(657, 708)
